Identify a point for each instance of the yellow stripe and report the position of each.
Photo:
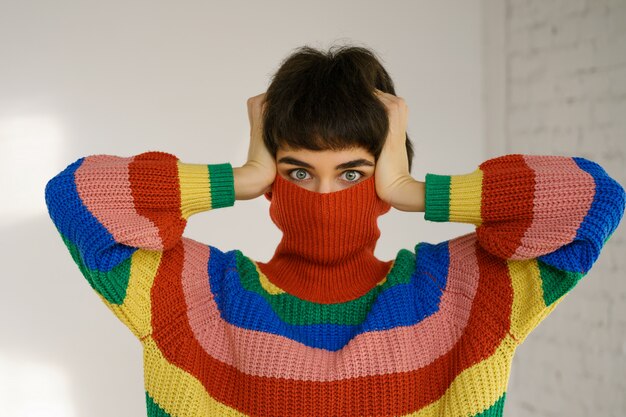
(135, 311)
(195, 188)
(529, 307)
(176, 391)
(266, 284)
(465, 197)
(490, 376)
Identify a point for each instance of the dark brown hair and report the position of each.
(325, 101)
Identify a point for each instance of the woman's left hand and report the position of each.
(394, 183)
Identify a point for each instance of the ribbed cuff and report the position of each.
(437, 198)
(205, 187)
(222, 185)
(453, 198)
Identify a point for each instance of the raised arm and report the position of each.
(529, 206)
(524, 206)
(117, 214)
(109, 206)
(546, 218)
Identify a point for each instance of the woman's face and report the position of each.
(325, 171)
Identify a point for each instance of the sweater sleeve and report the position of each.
(116, 215)
(547, 217)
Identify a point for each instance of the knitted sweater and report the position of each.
(436, 337)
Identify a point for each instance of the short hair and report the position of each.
(321, 100)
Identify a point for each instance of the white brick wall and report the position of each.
(565, 88)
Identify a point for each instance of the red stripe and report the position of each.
(374, 395)
(507, 204)
(156, 193)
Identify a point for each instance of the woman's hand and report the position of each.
(394, 183)
(256, 176)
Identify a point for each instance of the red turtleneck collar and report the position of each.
(326, 254)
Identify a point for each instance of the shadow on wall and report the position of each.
(61, 349)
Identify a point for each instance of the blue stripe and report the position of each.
(97, 247)
(599, 223)
(399, 305)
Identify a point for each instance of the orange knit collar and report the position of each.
(326, 254)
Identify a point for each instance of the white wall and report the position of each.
(563, 89)
(119, 77)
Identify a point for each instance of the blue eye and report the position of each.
(300, 174)
(353, 176)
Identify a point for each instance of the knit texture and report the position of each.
(434, 337)
(326, 254)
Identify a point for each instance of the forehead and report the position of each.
(328, 155)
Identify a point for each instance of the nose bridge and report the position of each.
(325, 185)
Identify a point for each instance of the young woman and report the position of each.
(324, 328)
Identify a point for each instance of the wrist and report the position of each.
(249, 182)
(409, 195)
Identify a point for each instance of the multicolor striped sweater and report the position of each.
(435, 338)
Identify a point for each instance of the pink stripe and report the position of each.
(401, 349)
(103, 184)
(563, 196)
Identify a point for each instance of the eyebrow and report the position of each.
(349, 164)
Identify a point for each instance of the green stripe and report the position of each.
(111, 285)
(495, 410)
(222, 182)
(556, 282)
(154, 410)
(437, 198)
(297, 311)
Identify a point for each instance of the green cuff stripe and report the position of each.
(437, 198)
(222, 182)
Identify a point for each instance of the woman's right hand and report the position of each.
(256, 176)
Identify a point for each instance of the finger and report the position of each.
(382, 97)
(379, 92)
(384, 94)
